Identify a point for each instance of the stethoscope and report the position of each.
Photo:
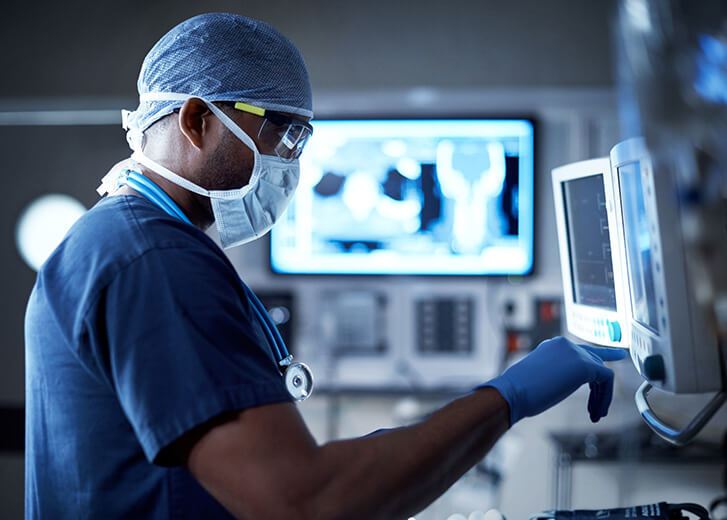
(298, 377)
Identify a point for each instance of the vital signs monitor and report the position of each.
(670, 341)
(594, 293)
(671, 344)
(626, 277)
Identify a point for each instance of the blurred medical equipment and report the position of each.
(444, 325)
(412, 196)
(439, 343)
(353, 322)
(634, 250)
(660, 511)
(637, 447)
(671, 343)
(673, 78)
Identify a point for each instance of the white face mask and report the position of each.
(243, 214)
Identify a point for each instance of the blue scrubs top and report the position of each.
(138, 330)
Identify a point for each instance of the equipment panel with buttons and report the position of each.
(600, 330)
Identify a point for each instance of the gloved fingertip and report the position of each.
(607, 353)
(599, 412)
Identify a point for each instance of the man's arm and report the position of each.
(265, 463)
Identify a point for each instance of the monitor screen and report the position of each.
(421, 197)
(638, 245)
(589, 242)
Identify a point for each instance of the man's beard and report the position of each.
(227, 168)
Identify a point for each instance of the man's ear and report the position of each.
(192, 121)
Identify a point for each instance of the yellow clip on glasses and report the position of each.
(283, 134)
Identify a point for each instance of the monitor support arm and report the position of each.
(669, 433)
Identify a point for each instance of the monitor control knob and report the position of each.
(614, 331)
(653, 368)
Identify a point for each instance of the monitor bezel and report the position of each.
(531, 119)
(577, 314)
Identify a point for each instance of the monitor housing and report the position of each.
(412, 196)
(595, 293)
(671, 344)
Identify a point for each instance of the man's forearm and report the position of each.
(264, 463)
(398, 472)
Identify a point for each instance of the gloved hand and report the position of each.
(553, 371)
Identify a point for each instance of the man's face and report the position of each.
(230, 163)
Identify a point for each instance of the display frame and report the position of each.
(679, 356)
(531, 221)
(594, 324)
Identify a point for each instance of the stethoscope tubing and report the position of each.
(150, 190)
(157, 196)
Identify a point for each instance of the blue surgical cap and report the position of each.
(223, 57)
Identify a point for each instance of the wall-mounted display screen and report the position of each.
(412, 197)
(589, 242)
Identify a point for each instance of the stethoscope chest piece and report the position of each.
(299, 381)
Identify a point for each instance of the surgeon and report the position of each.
(153, 387)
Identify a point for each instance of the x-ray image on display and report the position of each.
(411, 197)
(589, 242)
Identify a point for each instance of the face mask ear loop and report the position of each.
(157, 168)
(224, 118)
(242, 136)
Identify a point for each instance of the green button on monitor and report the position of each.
(614, 331)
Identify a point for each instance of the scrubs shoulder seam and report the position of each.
(93, 301)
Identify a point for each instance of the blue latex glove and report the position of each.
(553, 371)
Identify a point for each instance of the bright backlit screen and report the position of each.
(437, 197)
(589, 242)
(638, 245)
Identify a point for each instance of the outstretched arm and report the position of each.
(265, 464)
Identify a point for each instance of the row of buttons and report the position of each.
(602, 328)
(608, 329)
(640, 344)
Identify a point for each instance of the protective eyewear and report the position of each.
(282, 134)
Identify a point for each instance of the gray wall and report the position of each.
(95, 48)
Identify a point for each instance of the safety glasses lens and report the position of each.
(288, 141)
